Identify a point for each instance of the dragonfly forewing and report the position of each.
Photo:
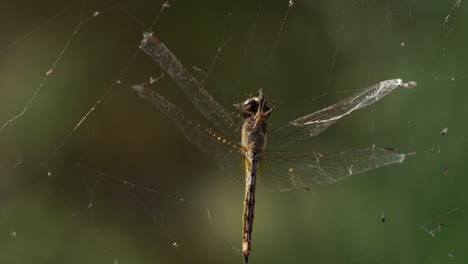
(313, 124)
(193, 89)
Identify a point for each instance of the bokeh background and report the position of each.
(90, 173)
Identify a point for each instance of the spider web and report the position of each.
(91, 174)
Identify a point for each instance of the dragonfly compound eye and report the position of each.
(249, 108)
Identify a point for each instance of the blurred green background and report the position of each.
(125, 187)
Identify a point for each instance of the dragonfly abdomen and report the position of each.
(251, 166)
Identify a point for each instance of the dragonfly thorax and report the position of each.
(253, 137)
(254, 129)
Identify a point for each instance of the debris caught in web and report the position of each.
(444, 131)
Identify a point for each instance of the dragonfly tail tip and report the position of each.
(246, 258)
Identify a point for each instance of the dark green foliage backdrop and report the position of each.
(90, 173)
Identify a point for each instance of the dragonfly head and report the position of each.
(255, 107)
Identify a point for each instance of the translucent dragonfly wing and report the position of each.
(224, 150)
(313, 124)
(192, 88)
(284, 171)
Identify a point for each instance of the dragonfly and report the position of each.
(241, 139)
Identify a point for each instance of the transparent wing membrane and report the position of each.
(313, 124)
(193, 89)
(284, 171)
